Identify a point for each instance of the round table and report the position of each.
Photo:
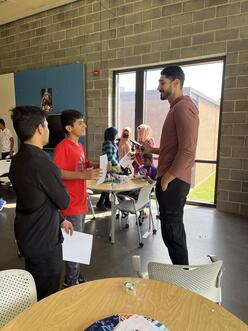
(113, 189)
(76, 308)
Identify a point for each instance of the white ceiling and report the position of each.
(12, 10)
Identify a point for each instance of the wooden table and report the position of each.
(113, 189)
(79, 306)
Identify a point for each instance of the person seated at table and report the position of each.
(149, 171)
(76, 168)
(143, 136)
(110, 148)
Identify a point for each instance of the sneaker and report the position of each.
(81, 279)
(2, 204)
(69, 284)
(101, 206)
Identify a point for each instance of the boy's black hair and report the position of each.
(174, 72)
(148, 156)
(69, 117)
(2, 121)
(26, 119)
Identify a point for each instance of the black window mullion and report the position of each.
(139, 98)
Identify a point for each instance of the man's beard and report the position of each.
(165, 96)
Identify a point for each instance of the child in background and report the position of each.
(143, 136)
(70, 157)
(110, 148)
(148, 169)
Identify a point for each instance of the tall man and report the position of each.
(176, 158)
(40, 195)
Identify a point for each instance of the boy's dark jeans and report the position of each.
(171, 204)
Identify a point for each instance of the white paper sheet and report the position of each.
(103, 167)
(78, 247)
(135, 323)
(126, 161)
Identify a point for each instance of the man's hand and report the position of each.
(109, 167)
(149, 180)
(91, 173)
(165, 180)
(67, 226)
(146, 148)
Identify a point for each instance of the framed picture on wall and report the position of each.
(46, 100)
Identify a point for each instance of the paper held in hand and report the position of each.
(103, 167)
(126, 161)
(78, 247)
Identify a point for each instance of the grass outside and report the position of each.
(204, 191)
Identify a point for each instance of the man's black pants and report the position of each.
(171, 203)
(46, 271)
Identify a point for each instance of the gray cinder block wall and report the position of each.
(111, 34)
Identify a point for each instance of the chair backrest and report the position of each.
(202, 279)
(17, 292)
(144, 196)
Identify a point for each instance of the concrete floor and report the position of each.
(208, 232)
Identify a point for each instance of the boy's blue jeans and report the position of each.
(72, 269)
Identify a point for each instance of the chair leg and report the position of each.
(154, 230)
(119, 217)
(137, 222)
(91, 207)
(156, 201)
(150, 216)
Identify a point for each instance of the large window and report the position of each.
(138, 101)
(125, 100)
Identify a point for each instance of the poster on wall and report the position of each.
(46, 99)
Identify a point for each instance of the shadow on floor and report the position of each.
(208, 232)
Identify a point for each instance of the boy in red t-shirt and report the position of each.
(70, 157)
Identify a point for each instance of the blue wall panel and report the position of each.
(66, 81)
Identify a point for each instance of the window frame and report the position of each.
(139, 109)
